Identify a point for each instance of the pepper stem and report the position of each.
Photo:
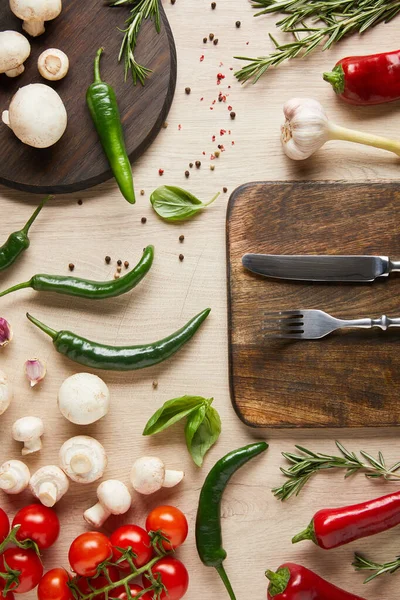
(14, 288)
(307, 534)
(25, 230)
(336, 132)
(279, 581)
(51, 332)
(336, 79)
(222, 573)
(97, 76)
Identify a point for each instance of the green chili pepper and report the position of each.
(120, 358)
(208, 521)
(18, 241)
(85, 288)
(103, 106)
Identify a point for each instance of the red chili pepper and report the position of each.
(294, 582)
(333, 527)
(367, 80)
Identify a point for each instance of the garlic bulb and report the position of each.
(307, 128)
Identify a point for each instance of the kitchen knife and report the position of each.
(320, 267)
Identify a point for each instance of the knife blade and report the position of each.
(320, 267)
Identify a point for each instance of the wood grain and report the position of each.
(348, 379)
(256, 527)
(77, 161)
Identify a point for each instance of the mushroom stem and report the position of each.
(81, 464)
(31, 446)
(96, 515)
(172, 478)
(33, 28)
(5, 117)
(47, 493)
(15, 72)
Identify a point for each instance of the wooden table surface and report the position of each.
(257, 528)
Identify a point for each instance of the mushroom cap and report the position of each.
(88, 447)
(36, 10)
(53, 64)
(14, 50)
(6, 392)
(27, 428)
(18, 471)
(83, 398)
(147, 474)
(37, 115)
(115, 496)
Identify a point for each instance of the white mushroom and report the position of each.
(83, 398)
(49, 484)
(53, 64)
(83, 459)
(36, 115)
(28, 430)
(6, 392)
(14, 50)
(34, 13)
(114, 499)
(148, 475)
(14, 477)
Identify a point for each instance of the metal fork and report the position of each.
(316, 324)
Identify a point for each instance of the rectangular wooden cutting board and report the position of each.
(348, 379)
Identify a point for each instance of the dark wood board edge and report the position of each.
(231, 202)
(83, 185)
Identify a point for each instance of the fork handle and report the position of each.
(383, 322)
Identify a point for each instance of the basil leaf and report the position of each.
(203, 428)
(171, 412)
(175, 204)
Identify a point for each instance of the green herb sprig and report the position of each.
(361, 563)
(141, 10)
(312, 23)
(203, 424)
(173, 203)
(308, 463)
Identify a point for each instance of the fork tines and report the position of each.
(285, 324)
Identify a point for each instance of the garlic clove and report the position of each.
(35, 370)
(6, 333)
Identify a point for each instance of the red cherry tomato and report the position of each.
(171, 522)
(53, 586)
(9, 596)
(120, 593)
(4, 526)
(88, 551)
(27, 563)
(87, 585)
(174, 577)
(38, 523)
(132, 536)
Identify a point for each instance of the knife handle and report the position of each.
(394, 265)
(385, 322)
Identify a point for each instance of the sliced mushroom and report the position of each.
(14, 477)
(36, 115)
(83, 459)
(34, 13)
(53, 64)
(14, 50)
(83, 398)
(28, 430)
(114, 499)
(148, 475)
(6, 392)
(49, 484)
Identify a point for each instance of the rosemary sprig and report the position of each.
(313, 23)
(308, 463)
(361, 563)
(141, 10)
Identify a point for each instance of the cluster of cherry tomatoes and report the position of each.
(34, 528)
(114, 565)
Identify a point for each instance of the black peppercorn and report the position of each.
(225, 189)
(71, 266)
(238, 24)
(181, 257)
(213, 5)
(187, 174)
(119, 262)
(126, 264)
(198, 164)
(233, 115)
(80, 202)
(215, 42)
(187, 90)
(181, 238)
(108, 259)
(143, 220)
(191, 165)
(211, 36)
(205, 40)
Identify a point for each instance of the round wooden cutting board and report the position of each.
(77, 161)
